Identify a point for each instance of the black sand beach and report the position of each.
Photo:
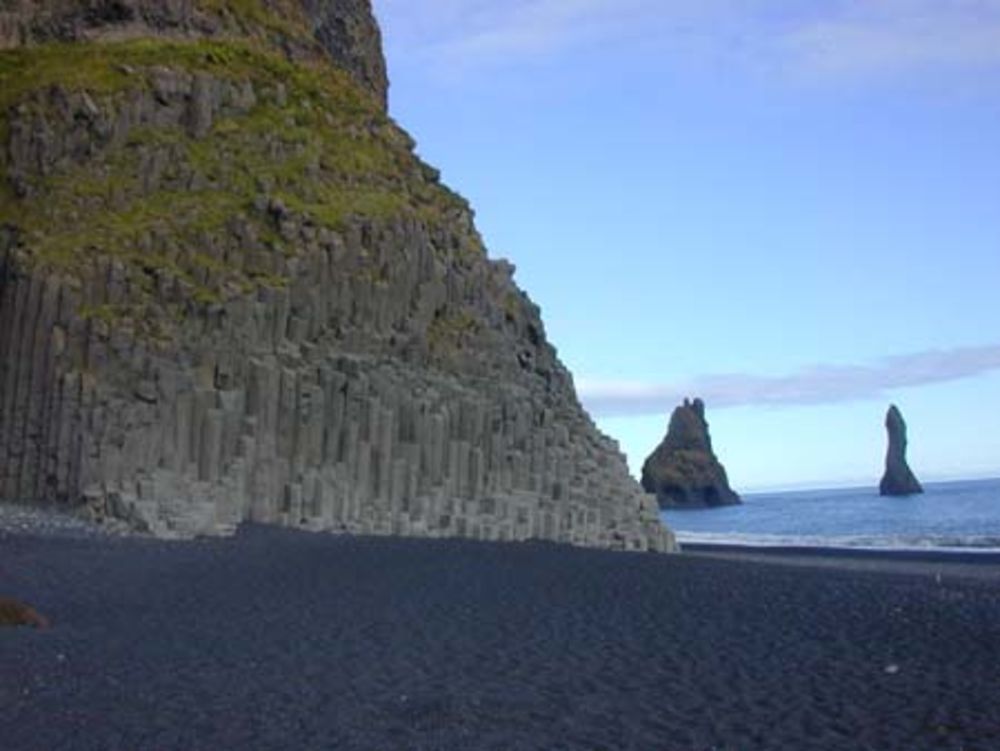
(277, 639)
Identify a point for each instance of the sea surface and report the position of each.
(963, 516)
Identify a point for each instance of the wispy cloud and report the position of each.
(893, 36)
(853, 38)
(473, 32)
(819, 384)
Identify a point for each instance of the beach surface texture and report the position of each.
(277, 639)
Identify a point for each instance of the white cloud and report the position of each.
(849, 38)
(893, 36)
(819, 384)
(473, 32)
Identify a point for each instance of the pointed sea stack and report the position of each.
(683, 471)
(899, 478)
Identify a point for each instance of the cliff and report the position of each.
(898, 479)
(229, 290)
(344, 31)
(683, 470)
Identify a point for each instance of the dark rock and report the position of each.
(348, 31)
(145, 391)
(898, 479)
(277, 209)
(683, 471)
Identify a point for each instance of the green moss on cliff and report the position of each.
(451, 331)
(280, 17)
(311, 141)
(104, 68)
(323, 122)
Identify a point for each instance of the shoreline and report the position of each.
(934, 563)
(969, 556)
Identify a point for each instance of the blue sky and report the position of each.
(789, 208)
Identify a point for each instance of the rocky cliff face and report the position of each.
(683, 470)
(344, 31)
(898, 479)
(230, 291)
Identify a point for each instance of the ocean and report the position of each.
(959, 516)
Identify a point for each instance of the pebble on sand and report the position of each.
(15, 613)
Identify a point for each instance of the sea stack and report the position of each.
(899, 479)
(683, 471)
(231, 291)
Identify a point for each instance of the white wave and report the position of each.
(942, 543)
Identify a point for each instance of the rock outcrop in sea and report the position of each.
(230, 291)
(683, 470)
(898, 479)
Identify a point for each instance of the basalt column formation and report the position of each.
(230, 291)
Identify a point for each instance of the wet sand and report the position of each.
(277, 639)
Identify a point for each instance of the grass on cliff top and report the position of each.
(109, 67)
(324, 148)
(283, 18)
(253, 28)
(327, 119)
